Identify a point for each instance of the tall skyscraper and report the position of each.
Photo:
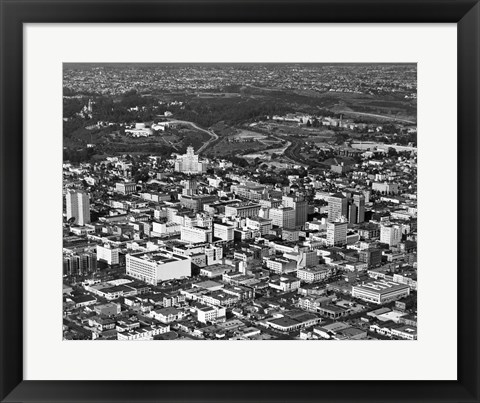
(337, 233)
(78, 206)
(283, 217)
(352, 213)
(189, 187)
(337, 207)
(299, 205)
(359, 202)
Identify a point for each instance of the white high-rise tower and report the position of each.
(189, 163)
(78, 206)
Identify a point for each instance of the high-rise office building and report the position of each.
(359, 203)
(189, 187)
(337, 233)
(337, 207)
(352, 213)
(79, 263)
(78, 206)
(283, 217)
(223, 231)
(299, 205)
(391, 234)
(307, 258)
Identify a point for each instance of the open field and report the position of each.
(223, 148)
(396, 118)
(248, 135)
(373, 107)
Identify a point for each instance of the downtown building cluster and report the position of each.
(203, 250)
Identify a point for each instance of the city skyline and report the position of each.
(240, 201)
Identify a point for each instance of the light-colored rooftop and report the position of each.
(381, 286)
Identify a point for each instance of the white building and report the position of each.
(210, 313)
(261, 224)
(380, 291)
(283, 217)
(108, 254)
(313, 274)
(161, 126)
(385, 187)
(163, 229)
(285, 284)
(280, 265)
(143, 333)
(214, 254)
(139, 132)
(189, 163)
(154, 267)
(242, 210)
(196, 234)
(78, 206)
(391, 234)
(125, 187)
(166, 315)
(223, 231)
(405, 332)
(336, 233)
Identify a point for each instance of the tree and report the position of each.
(392, 152)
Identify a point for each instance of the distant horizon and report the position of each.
(110, 64)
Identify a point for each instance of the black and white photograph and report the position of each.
(239, 201)
(243, 183)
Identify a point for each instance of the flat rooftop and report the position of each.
(159, 257)
(381, 286)
(332, 308)
(207, 284)
(315, 269)
(245, 205)
(284, 322)
(217, 268)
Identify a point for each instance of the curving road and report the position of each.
(211, 133)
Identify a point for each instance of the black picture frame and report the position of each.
(14, 13)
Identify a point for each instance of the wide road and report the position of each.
(291, 153)
(283, 152)
(211, 133)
